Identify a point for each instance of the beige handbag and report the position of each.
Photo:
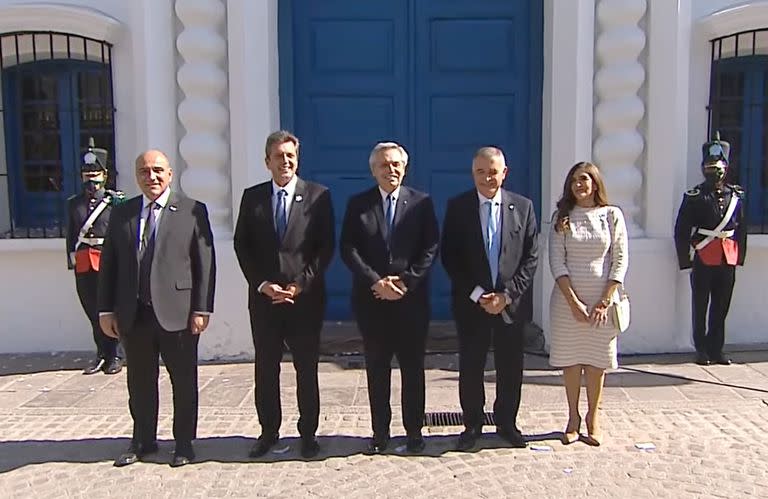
(620, 309)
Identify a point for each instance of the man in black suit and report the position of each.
(389, 241)
(284, 241)
(156, 290)
(489, 250)
(87, 220)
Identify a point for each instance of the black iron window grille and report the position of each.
(56, 93)
(738, 109)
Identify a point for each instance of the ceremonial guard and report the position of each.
(711, 239)
(87, 220)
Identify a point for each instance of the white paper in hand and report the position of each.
(476, 294)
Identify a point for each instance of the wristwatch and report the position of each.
(606, 303)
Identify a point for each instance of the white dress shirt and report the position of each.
(290, 190)
(160, 204)
(395, 195)
(483, 213)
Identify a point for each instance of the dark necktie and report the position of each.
(390, 211)
(146, 252)
(281, 220)
(390, 216)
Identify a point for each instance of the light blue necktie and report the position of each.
(281, 220)
(492, 243)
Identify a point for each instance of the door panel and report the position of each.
(442, 78)
(349, 92)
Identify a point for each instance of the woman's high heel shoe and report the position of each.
(571, 433)
(594, 434)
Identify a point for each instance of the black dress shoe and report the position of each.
(94, 366)
(722, 360)
(134, 453)
(310, 447)
(468, 439)
(183, 455)
(262, 445)
(378, 445)
(113, 366)
(415, 444)
(702, 359)
(513, 437)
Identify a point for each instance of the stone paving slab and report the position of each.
(60, 431)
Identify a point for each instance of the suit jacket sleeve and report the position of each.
(324, 241)
(741, 231)
(351, 235)
(450, 246)
(203, 257)
(523, 277)
(557, 253)
(246, 249)
(683, 227)
(430, 241)
(108, 265)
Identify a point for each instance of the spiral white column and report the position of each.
(620, 109)
(203, 79)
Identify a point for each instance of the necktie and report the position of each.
(491, 246)
(390, 211)
(146, 253)
(281, 220)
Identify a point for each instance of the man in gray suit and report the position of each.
(156, 290)
(490, 252)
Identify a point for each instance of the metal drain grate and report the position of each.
(453, 419)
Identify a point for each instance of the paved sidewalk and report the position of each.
(60, 431)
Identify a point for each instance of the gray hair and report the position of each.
(490, 152)
(383, 146)
(280, 137)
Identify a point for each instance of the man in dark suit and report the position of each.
(87, 220)
(284, 241)
(156, 290)
(489, 250)
(389, 241)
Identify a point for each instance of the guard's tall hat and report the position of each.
(95, 158)
(715, 150)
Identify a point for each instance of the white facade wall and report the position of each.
(639, 109)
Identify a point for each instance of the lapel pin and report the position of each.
(173, 207)
(511, 207)
(298, 198)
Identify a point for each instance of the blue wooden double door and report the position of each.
(440, 77)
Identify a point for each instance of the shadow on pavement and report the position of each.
(228, 449)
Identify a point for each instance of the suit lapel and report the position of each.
(401, 206)
(378, 212)
(475, 227)
(165, 225)
(510, 221)
(297, 209)
(133, 223)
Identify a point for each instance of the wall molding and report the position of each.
(81, 21)
(733, 19)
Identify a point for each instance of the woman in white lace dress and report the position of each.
(588, 258)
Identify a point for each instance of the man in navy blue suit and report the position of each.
(389, 240)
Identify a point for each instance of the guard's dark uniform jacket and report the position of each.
(84, 254)
(703, 207)
(712, 246)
